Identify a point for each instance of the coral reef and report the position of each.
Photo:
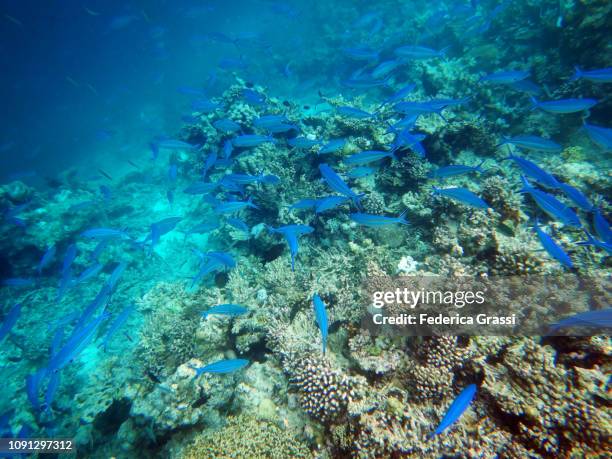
(246, 436)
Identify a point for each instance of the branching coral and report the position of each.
(246, 436)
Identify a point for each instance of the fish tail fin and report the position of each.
(292, 262)
(443, 51)
(526, 185)
(590, 239)
(402, 218)
(503, 142)
(479, 166)
(250, 203)
(577, 73)
(357, 200)
(534, 103)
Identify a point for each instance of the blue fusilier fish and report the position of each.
(228, 148)
(551, 205)
(602, 227)
(172, 173)
(457, 408)
(17, 282)
(89, 273)
(251, 140)
(405, 139)
(361, 53)
(158, 229)
(225, 310)
(203, 228)
(211, 159)
(282, 127)
(600, 135)
(366, 157)
(596, 76)
(105, 233)
(576, 196)
(246, 179)
(33, 383)
(321, 317)
(364, 83)
(100, 301)
(337, 184)
(455, 169)
(505, 77)
(52, 386)
(253, 97)
(46, 259)
(360, 172)
(353, 112)
(204, 106)
(266, 121)
(462, 195)
(601, 318)
(553, 249)
(329, 202)
(303, 142)
(445, 103)
(532, 142)
(9, 321)
(332, 146)
(210, 266)
(114, 327)
(407, 122)
(535, 172)
(174, 144)
(292, 233)
(399, 95)
(201, 188)
(418, 108)
(230, 207)
(116, 275)
(304, 204)
(376, 221)
(226, 126)
(527, 86)
(225, 258)
(221, 367)
(238, 224)
(419, 52)
(385, 68)
(607, 246)
(75, 344)
(563, 106)
(69, 257)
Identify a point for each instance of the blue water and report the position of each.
(131, 204)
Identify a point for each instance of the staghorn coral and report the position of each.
(245, 436)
